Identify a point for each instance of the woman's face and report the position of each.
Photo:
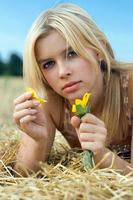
(67, 73)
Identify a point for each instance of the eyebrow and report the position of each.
(48, 59)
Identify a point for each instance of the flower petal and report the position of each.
(34, 95)
(74, 108)
(31, 90)
(78, 102)
(86, 98)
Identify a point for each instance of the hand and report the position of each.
(91, 132)
(29, 116)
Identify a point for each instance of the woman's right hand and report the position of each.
(29, 116)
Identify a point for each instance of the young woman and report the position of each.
(66, 55)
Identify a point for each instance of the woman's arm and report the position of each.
(31, 151)
(38, 131)
(112, 159)
(92, 136)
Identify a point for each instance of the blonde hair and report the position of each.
(80, 31)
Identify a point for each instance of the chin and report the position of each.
(71, 97)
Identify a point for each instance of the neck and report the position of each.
(97, 111)
(97, 105)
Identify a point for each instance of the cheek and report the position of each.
(50, 78)
(47, 77)
(86, 67)
(89, 71)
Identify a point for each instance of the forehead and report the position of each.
(50, 45)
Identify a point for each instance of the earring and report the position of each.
(103, 66)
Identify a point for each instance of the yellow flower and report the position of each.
(80, 109)
(80, 106)
(34, 95)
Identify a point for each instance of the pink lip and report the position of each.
(71, 86)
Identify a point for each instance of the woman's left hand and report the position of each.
(91, 133)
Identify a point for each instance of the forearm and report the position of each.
(108, 159)
(30, 153)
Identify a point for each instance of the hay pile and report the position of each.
(63, 177)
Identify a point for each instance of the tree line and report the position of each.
(12, 67)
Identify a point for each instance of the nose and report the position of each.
(64, 70)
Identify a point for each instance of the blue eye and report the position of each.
(48, 64)
(71, 54)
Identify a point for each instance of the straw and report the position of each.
(63, 177)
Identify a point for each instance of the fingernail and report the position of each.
(28, 93)
(36, 102)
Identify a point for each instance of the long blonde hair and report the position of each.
(80, 31)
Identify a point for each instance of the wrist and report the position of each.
(104, 159)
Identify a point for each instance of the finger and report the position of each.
(95, 147)
(16, 122)
(23, 122)
(91, 128)
(90, 118)
(22, 113)
(25, 96)
(26, 119)
(26, 104)
(91, 137)
(27, 125)
(75, 121)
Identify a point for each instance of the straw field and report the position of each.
(63, 177)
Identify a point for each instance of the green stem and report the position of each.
(88, 161)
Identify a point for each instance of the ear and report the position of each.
(99, 57)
